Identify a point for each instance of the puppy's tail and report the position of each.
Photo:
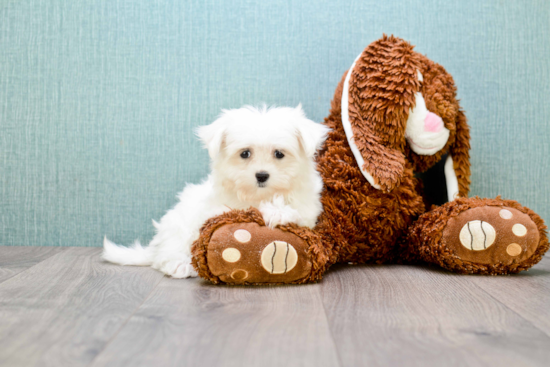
(133, 255)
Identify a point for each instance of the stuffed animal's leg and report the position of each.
(237, 248)
(479, 236)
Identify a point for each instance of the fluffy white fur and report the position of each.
(291, 193)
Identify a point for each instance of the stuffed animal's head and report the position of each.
(399, 106)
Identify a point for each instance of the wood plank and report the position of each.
(70, 308)
(15, 259)
(419, 316)
(63, 311)
(527, 293)
(192, 323)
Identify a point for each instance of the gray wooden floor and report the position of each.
(66, 307)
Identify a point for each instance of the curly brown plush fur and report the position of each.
(381, 93)
(363, 224)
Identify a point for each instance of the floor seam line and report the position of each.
(329, 327)
(511, 309)
(125, 322)
(30, 267)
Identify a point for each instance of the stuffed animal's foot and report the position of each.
(247, 252)
(486, 236)
(492, 235)
(251, 253)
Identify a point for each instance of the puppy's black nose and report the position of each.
(262, 176)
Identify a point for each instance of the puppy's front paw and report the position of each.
(276, 213)
(181, 268)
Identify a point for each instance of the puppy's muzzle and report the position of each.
(262, 177)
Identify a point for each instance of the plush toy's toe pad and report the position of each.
(249, 253)
(492, 235)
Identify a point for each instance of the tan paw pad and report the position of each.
(242, 235)
(231, 255)
(519, 230)
(239, 275)
(513, 249)
(505, 214)
(477, 235)
(279, 257)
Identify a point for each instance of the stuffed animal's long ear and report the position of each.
(460, 152)
(212, 135)
(378, 92)
(311, 134)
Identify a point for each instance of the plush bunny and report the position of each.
(394, 114)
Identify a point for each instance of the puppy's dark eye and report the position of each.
(279, 154)
(246, 154)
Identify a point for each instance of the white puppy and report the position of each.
(262, 158)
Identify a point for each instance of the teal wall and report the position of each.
(98, 99)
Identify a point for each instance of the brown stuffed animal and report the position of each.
(394, 114)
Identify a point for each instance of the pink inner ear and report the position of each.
(433, 123)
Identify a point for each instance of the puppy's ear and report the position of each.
(212, 135)
(310, 134)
